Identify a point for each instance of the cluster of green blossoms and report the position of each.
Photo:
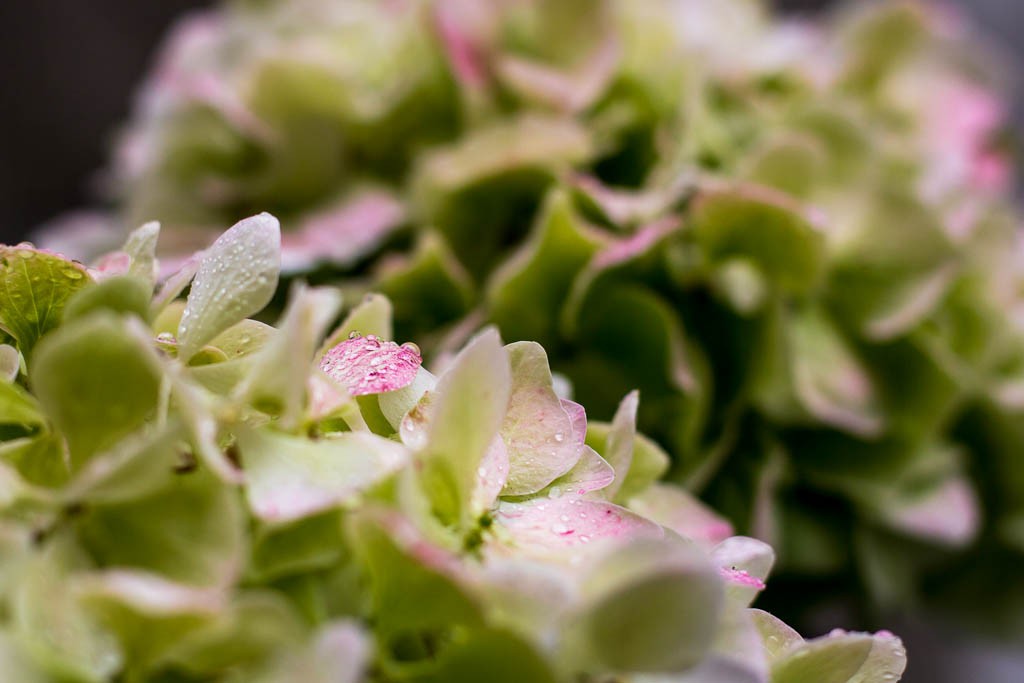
(187, 495)
(794, 238)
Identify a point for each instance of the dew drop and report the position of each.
(559, 437)
(412, 347)
(560, 529)
(555, 492)
(354, 334)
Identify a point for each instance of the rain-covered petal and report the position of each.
(370, 365)
(558, 527)
(537, 429)
(237, 276)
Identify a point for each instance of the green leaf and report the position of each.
(72, 373)
(650, 607)
(454, 425)
(765, 228)
(291, 477)
(236, 278)
(34, 287)
(190, 531)
(126, 294)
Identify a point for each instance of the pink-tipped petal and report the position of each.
(549, 527)
(636, 244)
(343, 233)
(741, 578)
(464, 55)
(578, 416)
(368, 365)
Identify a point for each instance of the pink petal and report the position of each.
(578, 416)
(678, 510)
(109, 265)
(742, 578)
(464, 55)
(550, 526)
(636, 244)
(568, 91)
(949, 514)
(368, 365)
(342, 233)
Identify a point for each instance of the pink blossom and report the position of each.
(368, 365)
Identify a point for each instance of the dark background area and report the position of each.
(68, 68)
(67, 72)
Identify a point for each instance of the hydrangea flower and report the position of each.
(793, 236)
(188, 494)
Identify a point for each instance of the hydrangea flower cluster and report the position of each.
(188, 494)
(793, 237)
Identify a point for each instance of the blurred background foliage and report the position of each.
(58, 128)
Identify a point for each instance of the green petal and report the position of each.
(651, 607)
(71, 376)
(537, 431)
(189, 531)
(454, 425)
(290, 477)
(236, 278)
